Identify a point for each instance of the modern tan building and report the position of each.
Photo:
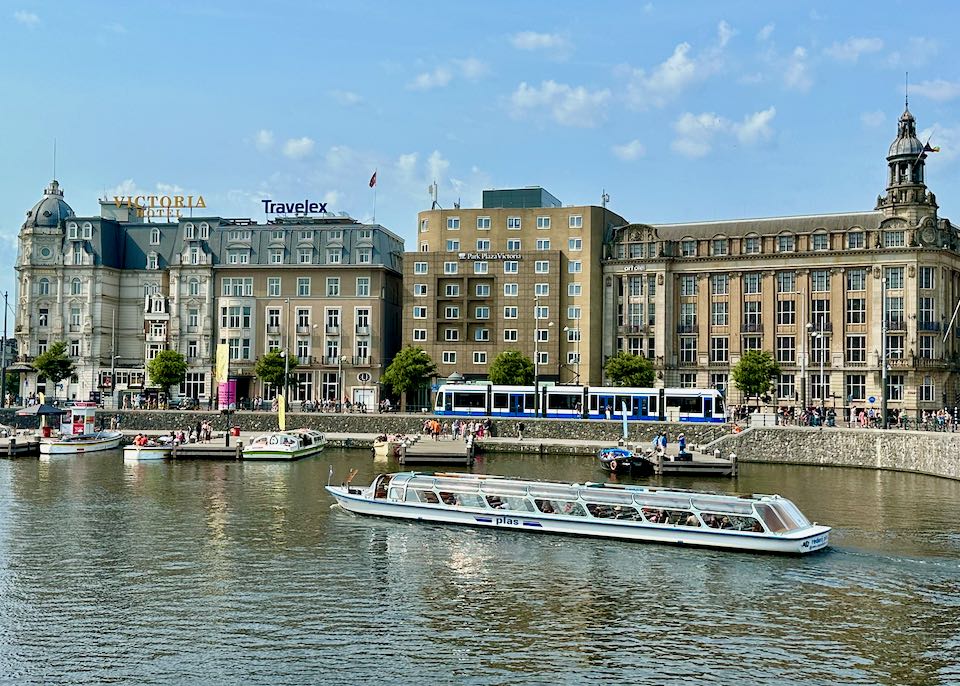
(818, 291)
(518, 273)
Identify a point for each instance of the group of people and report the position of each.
(459, 429)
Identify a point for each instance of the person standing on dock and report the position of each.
(520, 428)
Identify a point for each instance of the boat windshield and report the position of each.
(781, 515)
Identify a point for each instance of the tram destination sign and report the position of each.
(490, 256)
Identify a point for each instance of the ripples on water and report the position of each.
(242, 573)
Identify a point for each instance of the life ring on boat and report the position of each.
(274, 440)
(613, 465)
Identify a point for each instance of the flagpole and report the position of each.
(374, 198)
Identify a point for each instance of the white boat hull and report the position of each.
(147, 452)
(273, 453)
(815, 538)
(385, 448)
(53, 446)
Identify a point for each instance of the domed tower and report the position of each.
(50, 210)
(907, 196)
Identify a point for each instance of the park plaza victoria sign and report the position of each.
(305, 207)
(490, 256)
(160, 206)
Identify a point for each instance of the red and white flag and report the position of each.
(373, 180)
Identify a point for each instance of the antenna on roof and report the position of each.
(604, 198)
(54, 159)
(906, 90)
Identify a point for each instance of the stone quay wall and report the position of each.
(923, 452)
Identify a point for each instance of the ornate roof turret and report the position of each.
(907, 196)
(906, 142)
(50, 210)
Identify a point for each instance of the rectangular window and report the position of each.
(511, 312)
(480, 267)
(925, 347)
(541, 312)
(541, 267)
(276, 255)
(449, 357)
(720, 284)
(453, 245)
(511, 290)
(419, 312)
(819, 312)
(364, 256)
(483, 244)
(333, 286)
(786, 282)
(543, 244)
(786, 349)
(574, 244)
(895, 347)
(926, 392)
(856, 279)
(856, 310)
(855, 240)
(895, 385)
(821, 241)
(893, 239)
(333, 256)
(483, 290)
(543, 222)
(424, 225)
(513, 223)
(363, 286)
(513, 244)
(574, 289)
(419, 334)
(451, 312)
(751, 283)
(453, 223)
(481, 334)
(720, 349)
(688, 248)
(719, 314)
(419, 267)
(479, 357)
(688, 350)
(511, 267)
(786, 244)
(752, 343)
(926, 278)
(510, 335)
(573, 313)
(894, 277)
(575, 221)
(574, 267)
(751, 245)
(450, 267)
(483, 223)
(451, 335)
(305, 255)
(856, 387)
(452, 290)
(303, 286)
(820, 281)
(786, 387)
(419, 289)
(718, 246)
(688, 285)
(786, 312)
(482, 312)
(688, 316)
(856, 352)
(543, 335)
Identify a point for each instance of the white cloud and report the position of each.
(297, 148)
(263, 140)
(670, 78)
(756, 127)
(629, 151)
(852, 48)
(26, 18)
(568, 105)
(437, 78)
(346, 97)
(873, 119)
(472, 68)
(797, 75)
(406, 164)
(938, 89)
(765, 33)
(437, 166)
(548, 42)
(696, 132)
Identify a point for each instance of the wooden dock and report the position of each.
(20, 446)
(208, 451)
(440, 452)
(703, 465)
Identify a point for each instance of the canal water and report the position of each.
(241, 573)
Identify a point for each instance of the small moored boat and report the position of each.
(617, 460)
(285, 445)
(152, 450)
(81, 443)
(759, 523)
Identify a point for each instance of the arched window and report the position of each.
(44, 286)
(751, 244)
(194, 286)
(820, 241)
(75, 287)
(154, 236)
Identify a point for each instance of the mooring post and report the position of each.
(659, 464)
(733, 464)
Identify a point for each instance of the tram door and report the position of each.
(448, 402)
(516, 403)
(605, 401)
(643, 406)
(707, 408)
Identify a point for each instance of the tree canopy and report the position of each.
(54, 363)
(270, 368)
(754, 373)
(511, 368)
(167, 369)
(626, 369)
(410, 368)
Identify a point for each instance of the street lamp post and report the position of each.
(883, 354)
(340, 386)
(536, 356)
(286, 354)
(576, 334)
(819, 335)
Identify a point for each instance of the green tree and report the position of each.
(271, 368)
(54, 364)
(511, 368)
(754, 373)
(625, 369)
(167, 369)
(411, 367)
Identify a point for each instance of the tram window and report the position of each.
(565, 507)
(603, 511)
(469, 400)
(562, 401)
(716, 520)
(500, 401)
(770, 518)
(686, 405)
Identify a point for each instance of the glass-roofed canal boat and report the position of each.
(759, 523)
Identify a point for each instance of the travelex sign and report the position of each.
(166, 206)
(305, 207)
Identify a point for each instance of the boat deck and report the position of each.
(703, 465)
(440, 452)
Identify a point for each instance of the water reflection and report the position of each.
(210, 572)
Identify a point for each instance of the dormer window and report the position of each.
(786, 243)
(87, 231)
(718, 246)
(820, 241)
(189, 231)
(855, 240)
(205, 231)
(688, 247)
(73, 231)
(751, 245)
(154, 236)
(152, 261)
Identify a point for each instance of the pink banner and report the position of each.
(227, 395)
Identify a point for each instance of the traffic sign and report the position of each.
(872, 399)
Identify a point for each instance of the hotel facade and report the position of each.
(118, 289)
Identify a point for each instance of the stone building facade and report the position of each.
(830, 296)
(118, 289)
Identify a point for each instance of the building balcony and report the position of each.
(896, 324)
(331, 361)
(306, 359)
(357, 361)
(156, 338)
(273, 329)
(751, 327)
(825, 326)
(363, 330)
(633, 328)
(687, 328)
(304, 330)
(687, 363)
(332, 330)
(928, 326)
(858, 363)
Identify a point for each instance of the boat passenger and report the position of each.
(691, 520)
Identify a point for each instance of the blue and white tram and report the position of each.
(562, 401)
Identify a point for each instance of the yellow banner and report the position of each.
(223, 362)
(281, 412)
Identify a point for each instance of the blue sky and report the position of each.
(680, 110)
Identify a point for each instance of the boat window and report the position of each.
(658, 515)
(380, 488)
(598, 495)
(561, 491)
(607, 511)
(716, 520)
(468, 499)
(790, 514)
(507, 502)
(564, 507)
(426, 496)
(506, 487)
(421, 482)
(732, 506)
(770, 518)
(662, 501)
(411, 496)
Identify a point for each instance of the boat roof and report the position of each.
(490, 482)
